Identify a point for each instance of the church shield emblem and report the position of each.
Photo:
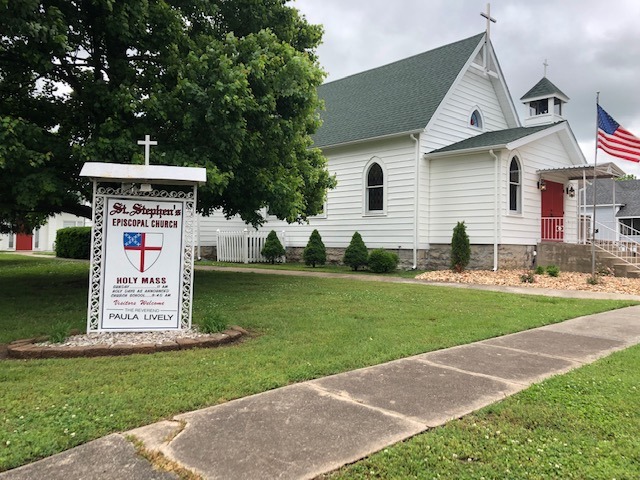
(142, 249)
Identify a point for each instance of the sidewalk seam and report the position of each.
(346, 398)
(482, 375)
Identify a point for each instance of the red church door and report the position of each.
(24, 241)
(553, 212)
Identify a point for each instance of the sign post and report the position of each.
(142, 247)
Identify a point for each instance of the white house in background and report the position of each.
(423, 143)
(42, 239)
(617, 209)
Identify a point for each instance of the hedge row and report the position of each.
(73, 242)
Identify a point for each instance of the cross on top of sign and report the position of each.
(148, 143)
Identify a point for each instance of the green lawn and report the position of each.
(303, 328)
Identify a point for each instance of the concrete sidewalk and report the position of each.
(307, 429)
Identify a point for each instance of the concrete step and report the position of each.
(626, 270)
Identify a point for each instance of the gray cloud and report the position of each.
(590, 45)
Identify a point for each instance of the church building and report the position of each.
(435, 139)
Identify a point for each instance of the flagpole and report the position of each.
(593, 218)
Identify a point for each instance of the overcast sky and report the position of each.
(590, 46)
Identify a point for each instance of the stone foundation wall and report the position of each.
(510, 257)
(568, 257)
(208, 252)
(436, 258)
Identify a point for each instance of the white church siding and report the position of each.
(461, 189)
(450, 124)
(525, 229)
(345, 207)
(522, 228)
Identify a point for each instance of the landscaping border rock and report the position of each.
(27, 348)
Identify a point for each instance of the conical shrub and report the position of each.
(356, 254)
(315, 252)
(272, 249)
(460, 248)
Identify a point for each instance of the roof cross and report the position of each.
(147, 142)
(489, 20)
(487, 41)
(545, 67)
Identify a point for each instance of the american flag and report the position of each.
(615, 140)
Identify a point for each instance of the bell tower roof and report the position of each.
(544, 89)
(545, 103)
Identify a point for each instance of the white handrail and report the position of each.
(623, 247)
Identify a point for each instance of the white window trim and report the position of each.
(481, 128)
(365, 190)
(518, 158)
(324, 211)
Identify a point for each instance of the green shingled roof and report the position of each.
(396, 98)
(544, 88)
(494, 139)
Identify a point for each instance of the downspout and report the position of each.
(416, 201)
(496, 213)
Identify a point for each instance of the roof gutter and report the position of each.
(468, 151)
(370, 139)
(416, 201)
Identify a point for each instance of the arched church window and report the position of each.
(476, 120)
(375, 188)
(515, 186)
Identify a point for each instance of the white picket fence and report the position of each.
(244, 246)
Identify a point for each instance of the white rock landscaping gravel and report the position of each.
(511, 278)
(125, 338)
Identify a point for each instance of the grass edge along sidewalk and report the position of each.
(579, 425)
(304, 329)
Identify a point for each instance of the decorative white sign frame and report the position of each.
(101, 195)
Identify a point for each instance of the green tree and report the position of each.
(229, 85)
(272, 249)
(356, 254)
(315, 252)
(460, 248)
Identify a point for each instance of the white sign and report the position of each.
(142, 276)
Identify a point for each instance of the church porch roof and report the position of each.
(490, 140)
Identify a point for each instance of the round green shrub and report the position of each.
(553, 271)
(381, 261)
(356, 254)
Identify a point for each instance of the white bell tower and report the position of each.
(545, 103)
